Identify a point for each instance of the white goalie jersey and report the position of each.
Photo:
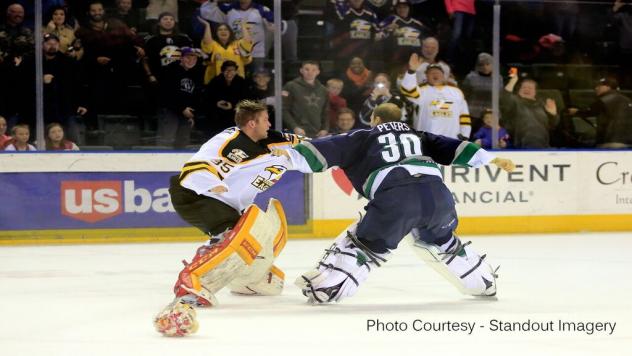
(232, 160)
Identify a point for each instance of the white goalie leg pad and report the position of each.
(261, 277)
(460, 265)
(345, 265)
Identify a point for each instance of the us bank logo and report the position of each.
(94, 201)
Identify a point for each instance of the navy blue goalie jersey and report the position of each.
(367, 156)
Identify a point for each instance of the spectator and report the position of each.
(336, 102)
(63, 99)
(381, 93)
(429, 52)
(477, 88)
(403, 35)
(3, 130)
(462, 13)
(59, 27)
(261, 89)
(528, 121)
(222, 95)
(161, 48)
(16, 40)
(355, 31)
(305, 104)
(483, 136)
(345, 121)
(226, 48)
(127, 15)
(179, 97)
(55, 140)
(157, 7)
(19, 139)
(110, 57)
(614, 115)
(357, 83)
(442, 108)
(257, 19)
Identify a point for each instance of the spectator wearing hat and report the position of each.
(528, 120)
(402, 35)
(180, 88)
(614, 115)
(477, 88)
(429, 53)
(442, 108)
(223, 93)
(262, 90)
(162, 48)
(225, 47)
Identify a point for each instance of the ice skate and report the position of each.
(178, 318)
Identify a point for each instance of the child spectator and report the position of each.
(55, 140)
(345, 121)
(3, 130)
(336, 102)
(483, 137)
(19, 139)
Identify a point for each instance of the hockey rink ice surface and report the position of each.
(101, 299)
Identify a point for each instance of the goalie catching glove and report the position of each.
(345, 265)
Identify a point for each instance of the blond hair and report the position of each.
(388, 112)
(247, 110)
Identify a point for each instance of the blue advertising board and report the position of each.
(33, 201)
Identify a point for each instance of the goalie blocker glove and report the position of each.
(345, 265)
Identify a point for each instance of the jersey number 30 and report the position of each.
(409, 144)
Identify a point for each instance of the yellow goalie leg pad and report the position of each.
(216, 266)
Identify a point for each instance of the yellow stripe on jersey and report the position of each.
(465, 120)
(191, 167)
(412, 93)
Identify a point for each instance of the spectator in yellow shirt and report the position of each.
(225, 48)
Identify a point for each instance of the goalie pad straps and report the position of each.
(459, 265)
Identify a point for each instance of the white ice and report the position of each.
(100, 300)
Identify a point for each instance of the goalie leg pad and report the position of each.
(345, 265)
(270, 285)
(244, 255)
(460, 265)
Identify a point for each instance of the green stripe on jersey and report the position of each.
(316, 161)
(467, 151)
(368, 185)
